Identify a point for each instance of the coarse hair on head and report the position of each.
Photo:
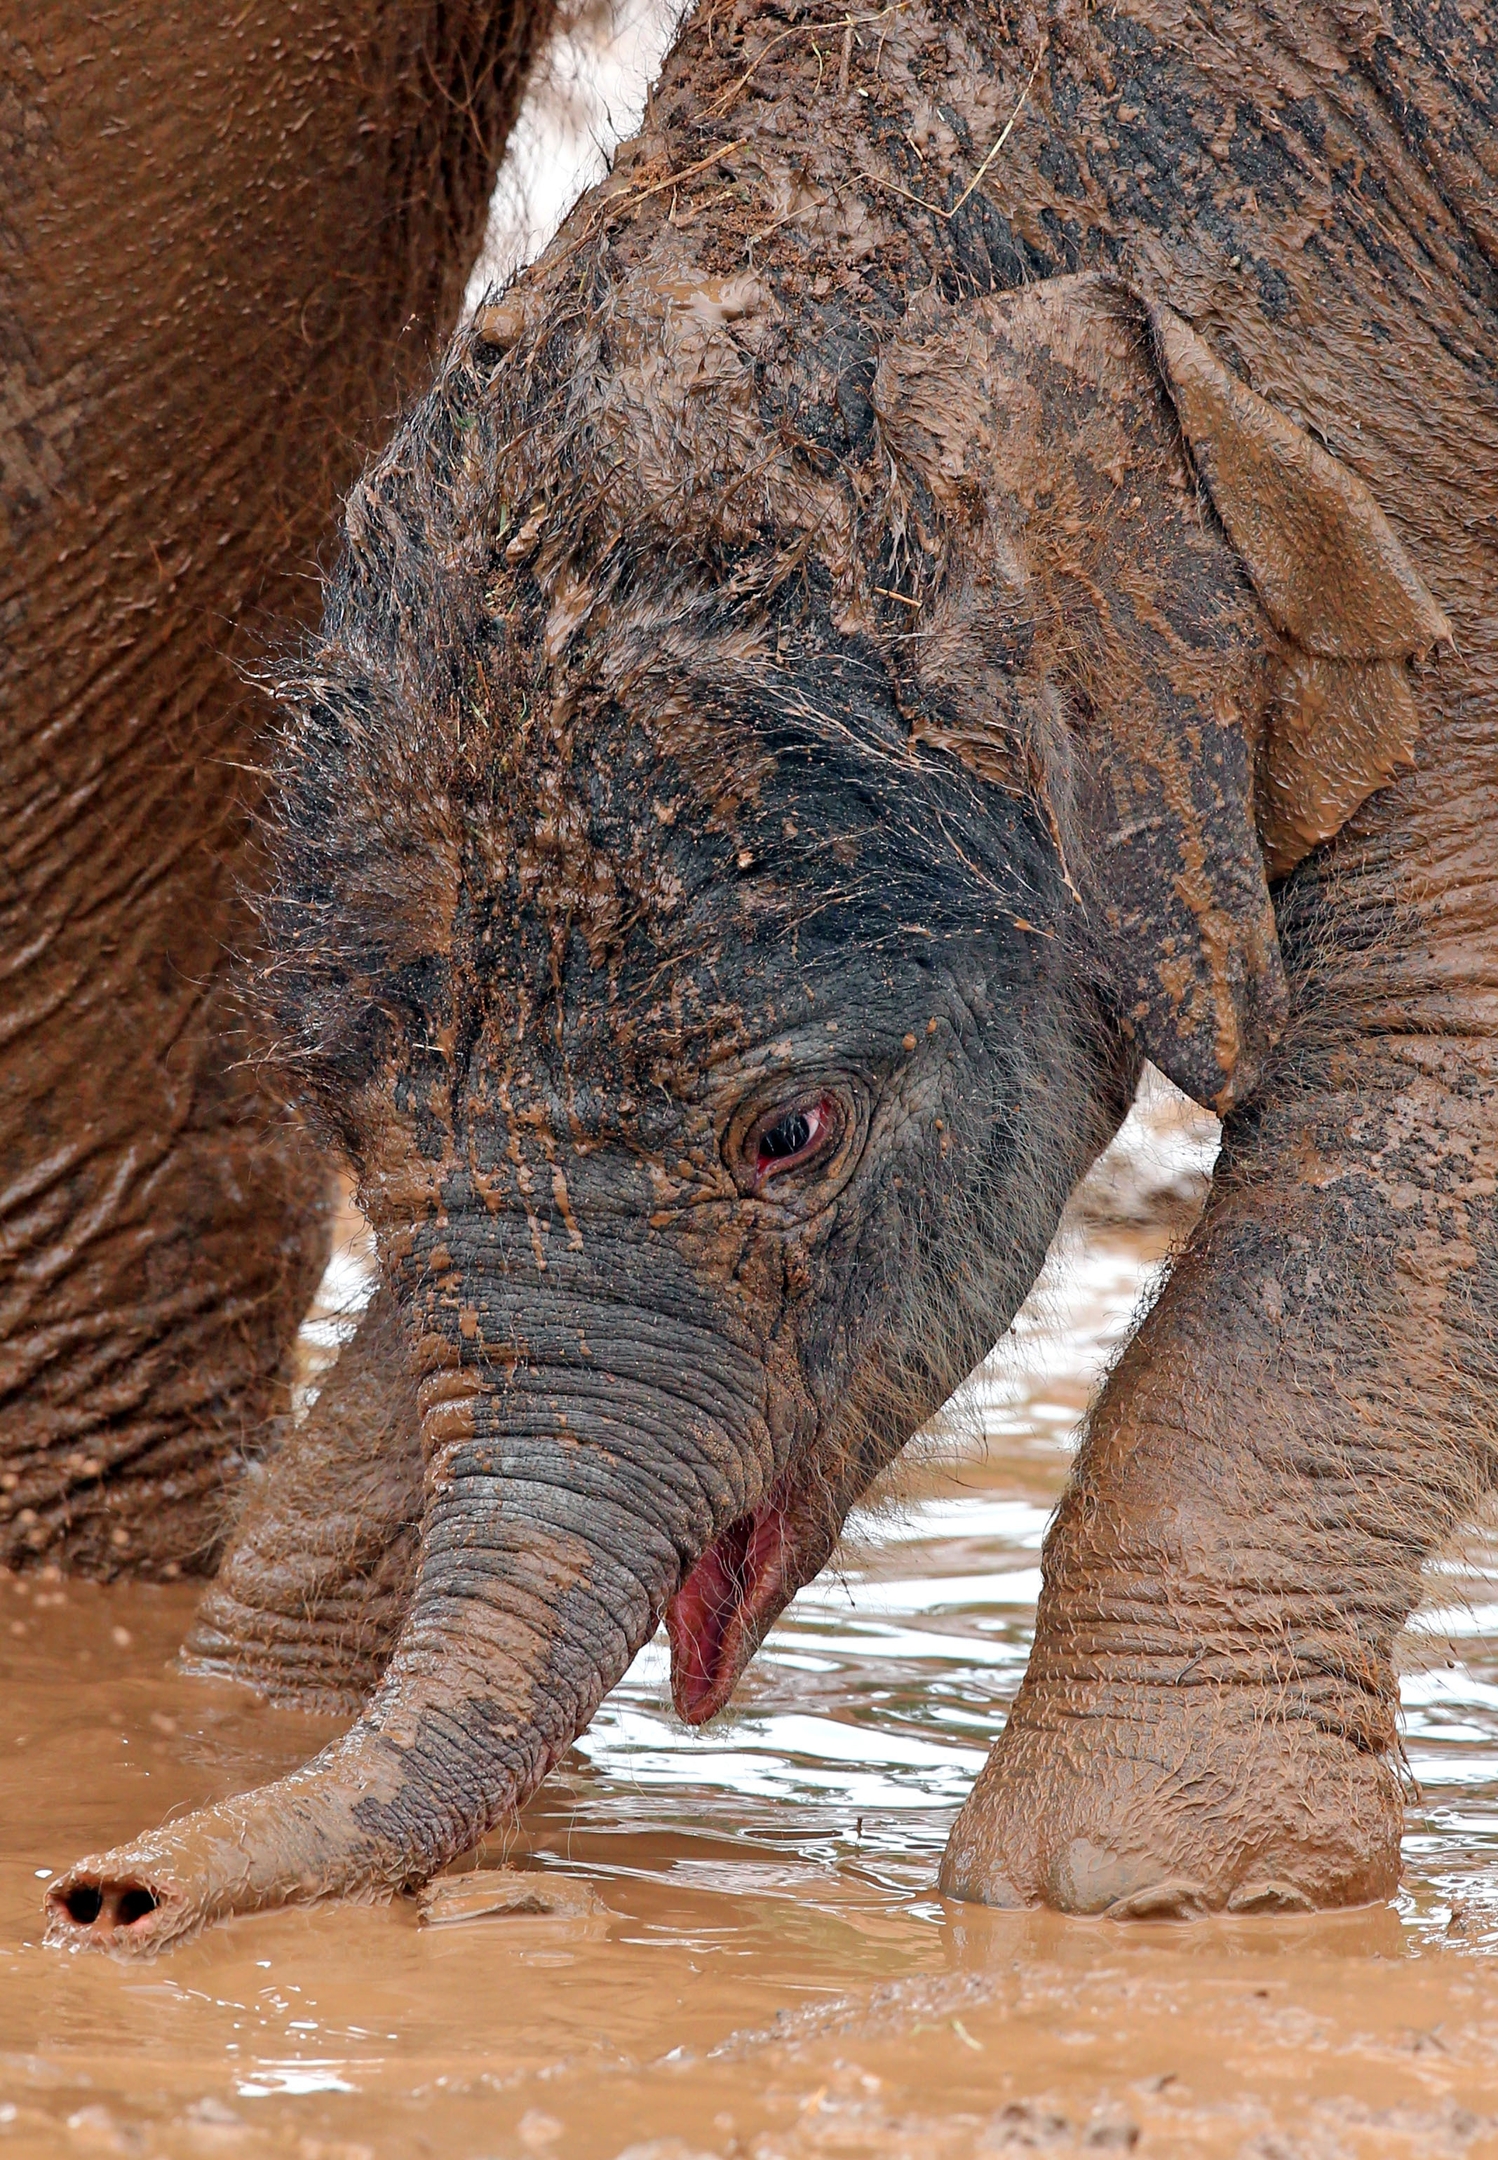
(493, 633)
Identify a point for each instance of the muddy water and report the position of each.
(754, 1961)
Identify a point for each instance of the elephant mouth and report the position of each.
(726, 1605)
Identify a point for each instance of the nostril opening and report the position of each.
(134, 1903)
(117, 1905)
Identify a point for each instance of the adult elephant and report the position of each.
(972, 560)
(230, 238)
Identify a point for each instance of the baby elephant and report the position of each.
(840, 668)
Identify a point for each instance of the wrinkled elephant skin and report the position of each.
(969, 563)
(230, 239)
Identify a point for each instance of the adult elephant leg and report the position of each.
(1208, 1720)
(229, 253)
(316, 1580)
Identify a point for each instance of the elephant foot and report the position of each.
(1199, 1802)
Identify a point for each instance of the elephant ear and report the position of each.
(1089, 637)
(1333, 580)
(1095, 634)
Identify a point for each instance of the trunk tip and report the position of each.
(95, 1907)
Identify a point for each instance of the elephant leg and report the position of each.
(1208, 1720)
(315, 1584)
(161, 1234)
(228, 258)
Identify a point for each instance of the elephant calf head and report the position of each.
(755, 799)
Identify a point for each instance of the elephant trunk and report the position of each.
(547, 1559)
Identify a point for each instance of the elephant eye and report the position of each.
(792, 1139)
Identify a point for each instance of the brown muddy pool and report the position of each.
(752, 1960)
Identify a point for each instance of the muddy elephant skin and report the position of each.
(969, 562)
(229, 240)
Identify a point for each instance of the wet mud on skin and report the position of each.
(763, 1967)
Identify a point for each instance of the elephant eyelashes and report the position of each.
(793, 1139)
